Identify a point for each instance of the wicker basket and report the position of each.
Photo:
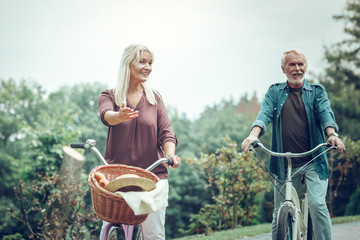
(111, 207)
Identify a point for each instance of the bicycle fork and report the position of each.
(299, 218)
(292, 199)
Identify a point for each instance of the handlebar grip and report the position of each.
(329, 145)
(77, 145)
(170, 162)
(255, 144)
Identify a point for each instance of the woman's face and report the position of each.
(140, 71)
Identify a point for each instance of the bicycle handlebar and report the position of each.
(257, 143)
(90, 143)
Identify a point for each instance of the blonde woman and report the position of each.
(139, 129)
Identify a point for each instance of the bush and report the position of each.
(54, 213)
(353, 208)
(235, 180)
(16, 236)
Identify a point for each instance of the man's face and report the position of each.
(295, 69)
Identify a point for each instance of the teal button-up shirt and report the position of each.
(319, 115)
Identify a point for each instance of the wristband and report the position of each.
(333, 134)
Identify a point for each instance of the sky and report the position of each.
(205, 51)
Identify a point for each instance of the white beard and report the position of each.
(296, 82)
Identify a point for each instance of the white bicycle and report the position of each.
(293, 218)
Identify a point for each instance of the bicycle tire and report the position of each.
(116, 233)
(137, 235)
(310, 231)
(284, 225)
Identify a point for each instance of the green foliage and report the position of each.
(206, 221)
(266, 208)
(353, 208)
(20, 104)
(218, 122)
(80, 101)
(6, 223)
(16, 236)
(234, 179)
(342, 82)
(43, 143)
(33, 130)
(20, 107)
(187, 193)
(342, 78)
(53, 212)
(344, 176)
(186, 197)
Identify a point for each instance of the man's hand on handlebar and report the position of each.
(253, 136)
(335, 141)
(246, 143)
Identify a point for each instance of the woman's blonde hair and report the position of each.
(132, 52)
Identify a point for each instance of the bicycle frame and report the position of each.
(299, 218)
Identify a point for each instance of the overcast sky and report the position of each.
(205, 50)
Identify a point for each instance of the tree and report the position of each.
(342, 76)
(20, 106)
(81, 101)
(342, 81)
(220, 121)
(34, 128)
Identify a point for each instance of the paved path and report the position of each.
(345, 231)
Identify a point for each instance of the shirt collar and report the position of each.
(306, 86)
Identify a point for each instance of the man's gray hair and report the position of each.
(294, 50)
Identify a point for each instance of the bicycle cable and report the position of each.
(271, 175)
(323, 152)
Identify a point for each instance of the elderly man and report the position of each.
(301, 118)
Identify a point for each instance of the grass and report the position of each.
(250, 231)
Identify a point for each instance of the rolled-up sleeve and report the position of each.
(106, 103)
(165, 132)
(323, 109)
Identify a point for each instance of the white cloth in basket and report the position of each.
(147, 202)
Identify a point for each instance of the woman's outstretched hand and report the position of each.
(124, 114)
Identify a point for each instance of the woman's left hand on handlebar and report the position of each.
(335, 141)
(176, 161)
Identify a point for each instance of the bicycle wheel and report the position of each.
(284, 225)
(310, 231)
(116, 233)
(137, 235)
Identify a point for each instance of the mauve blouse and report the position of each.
(138, 142)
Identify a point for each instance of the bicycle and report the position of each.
(128, 226)
(293, 219)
